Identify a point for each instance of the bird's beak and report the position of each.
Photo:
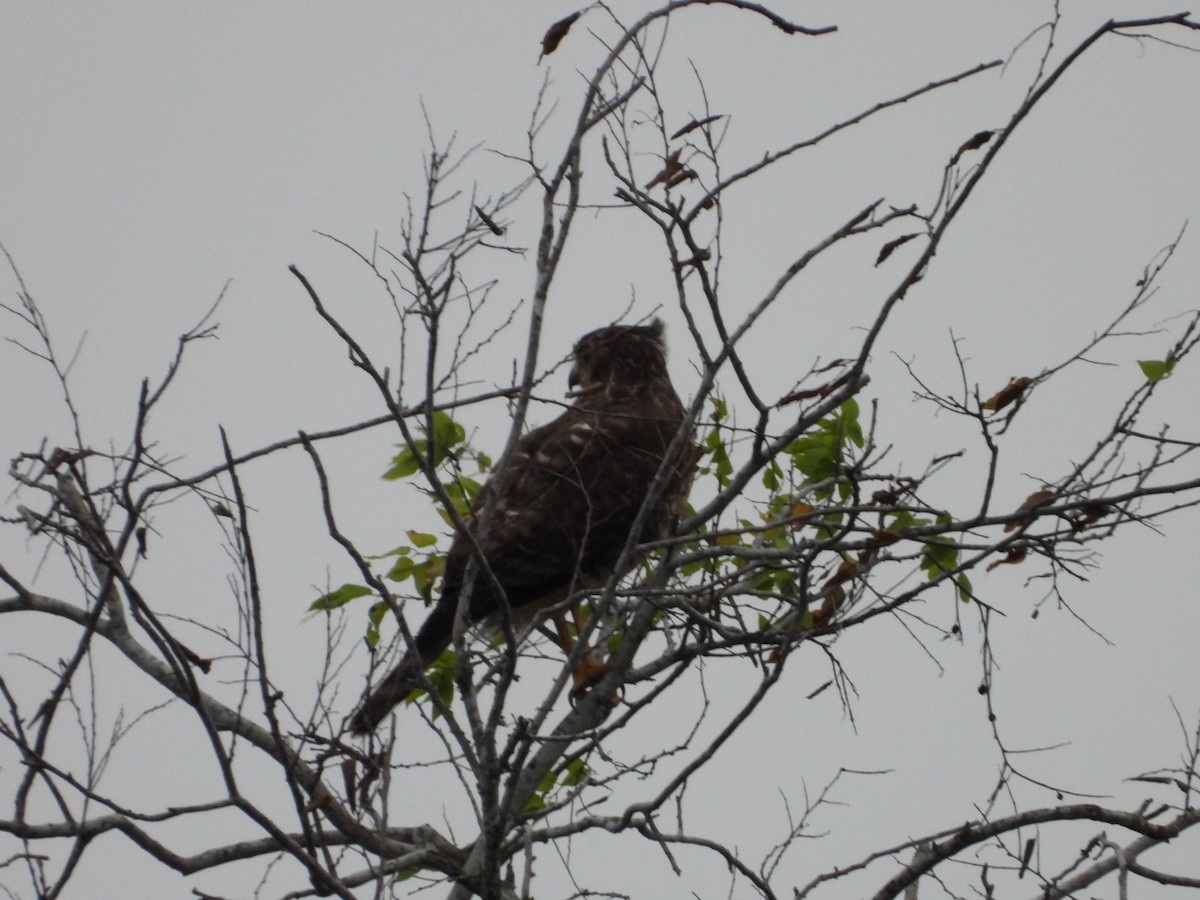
(573, 379)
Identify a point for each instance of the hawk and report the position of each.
(566, 505)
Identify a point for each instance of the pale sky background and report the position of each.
(153, 152)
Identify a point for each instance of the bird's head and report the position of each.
(620, 356)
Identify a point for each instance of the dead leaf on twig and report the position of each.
(318, 802)
(1093, 511)
(696, 123)
(974, 142)
(1161, 779)
(556, 32)
(684, 174)
(200, 662)
(1033, 501)
(887, 249)
(830, 605)
(1011, 558)
(1027, 856)
(671, 167)
(800, 515)
(823, 390)
(1010, 393)
(488, 221)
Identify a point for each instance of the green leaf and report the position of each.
(463, 491)
(404, 875)
(402, 550)
(340, 597)
(1156, 370)
(819, 454)
(720, 409)
(446, 431)
(771, 476)
(575, 773)
(850, 425)
(722, 467)
(404, 463)
(768, 579)
(964, 587)
(940, 557)
(441, 674)
(403, 568)
(941, 553)
(420, 539)
(447, 434)
(816, 455)
(428, 572)
(903, 519)
(374, 619)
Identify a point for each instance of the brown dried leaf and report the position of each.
(671, 167)
(556, 32)
(318, 802)
(796, 396)
(1010, 393)
(830, 605)
(1014, 556)
(1026, 856)
(974, 142)
(1161, 779)
(204, 665)
(487, 220)
(823, 391)
(696, 123)
(887, 249)
(845, 571)
(684, 174)
(1034, 500)
(800, 514)
(371, 772)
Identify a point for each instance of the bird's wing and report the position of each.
(563, 509)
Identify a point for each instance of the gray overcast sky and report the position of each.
(154, 152)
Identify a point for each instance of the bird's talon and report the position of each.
(589, 671)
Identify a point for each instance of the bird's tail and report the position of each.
(431, 640)
(388, 694)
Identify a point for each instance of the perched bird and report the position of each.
(566, 505)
